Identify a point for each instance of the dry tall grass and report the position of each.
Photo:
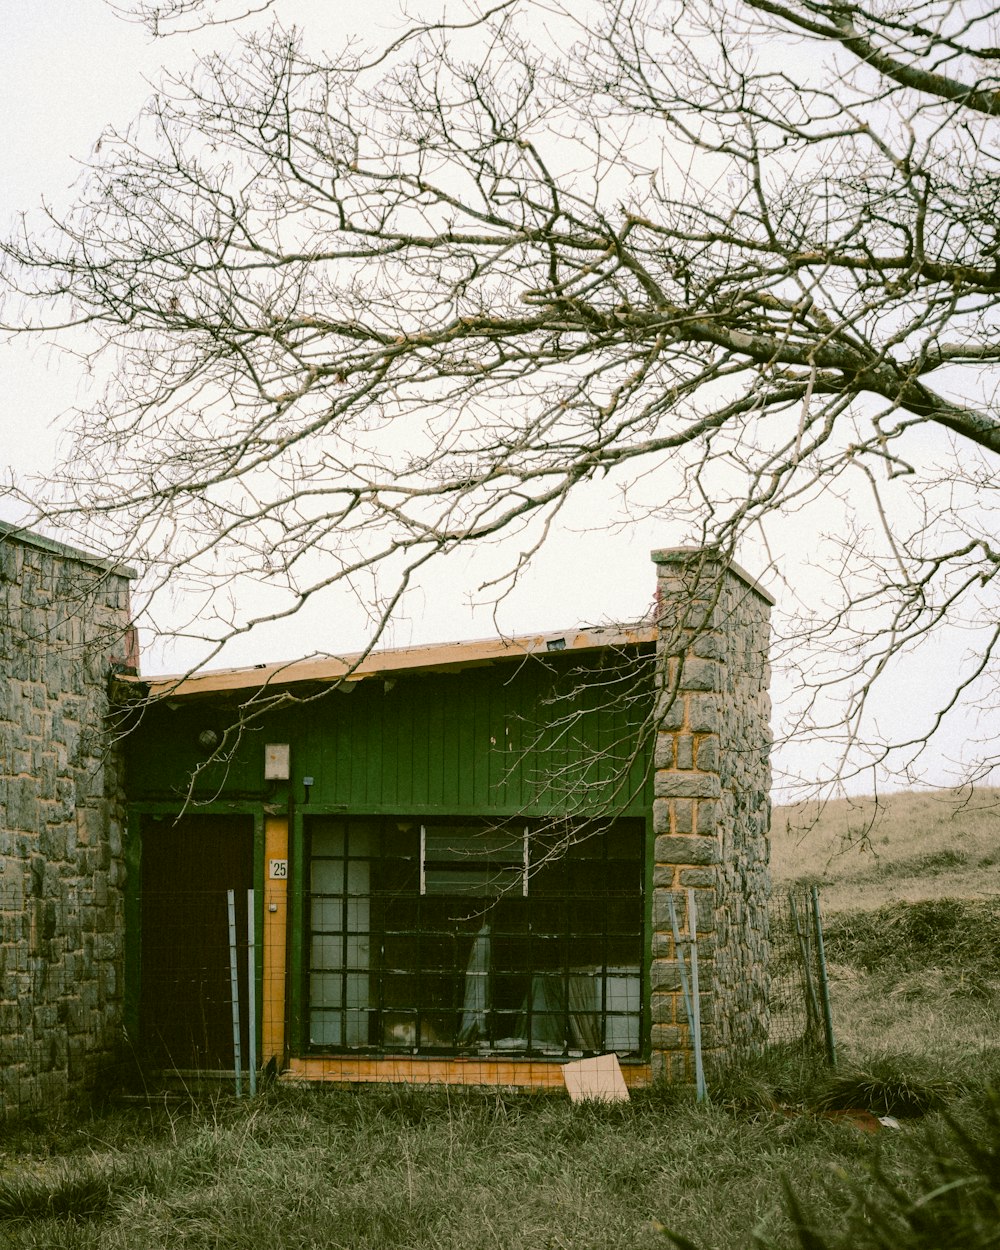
(914, 845)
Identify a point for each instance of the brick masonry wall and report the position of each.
(63, 619)
(711, 810)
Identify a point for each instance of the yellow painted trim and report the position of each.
(411, 1070)
(275, 943)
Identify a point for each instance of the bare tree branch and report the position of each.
(360, 313)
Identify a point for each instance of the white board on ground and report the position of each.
(599, 1079)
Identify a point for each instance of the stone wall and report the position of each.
(64, 619)
(711, 811)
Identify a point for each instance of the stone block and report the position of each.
(22, 805)
(707, 945)
(708, 646)
(665, 976)
(661, 815)
(685, 849)
(701, 617)
(701, 674)
(663, 1009)
(667, 1037)
(703, 713)
(663, 876)
(707, 818)
(668, 711)
(707, 753)
(698, 877)
(669, 783)
(11, 562)
(53, 842)
(709, 1037)
(664, 750)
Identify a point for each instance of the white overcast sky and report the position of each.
(70, 68)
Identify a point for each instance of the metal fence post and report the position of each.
(251, 993)
(234, 988)
(824, 983)
(691, 1006)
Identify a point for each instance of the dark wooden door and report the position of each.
(186, 1000)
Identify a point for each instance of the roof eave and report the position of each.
(448, 657)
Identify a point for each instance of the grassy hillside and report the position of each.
(913, 845)
(911, 897)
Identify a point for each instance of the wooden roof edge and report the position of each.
(358, 666)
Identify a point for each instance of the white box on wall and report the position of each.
(276, 757)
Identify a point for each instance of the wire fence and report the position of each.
(201, 977)
(799, 999)
(202, 980)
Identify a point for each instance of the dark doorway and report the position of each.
(186, 1001)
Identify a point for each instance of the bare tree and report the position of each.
(362, 311)
(177, 17)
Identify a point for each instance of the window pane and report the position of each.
(473, 862)
(327, 876)
(327, 952)
(472, 963)
(469, 882)
(458, 844)
(327, 913)
(327, 837)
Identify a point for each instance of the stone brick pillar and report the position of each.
(711, 810)
(64, 621)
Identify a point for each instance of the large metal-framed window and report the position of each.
(456, 936)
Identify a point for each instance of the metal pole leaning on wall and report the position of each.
(681, 946)
(699, 1070)
(251, 994)
(234, 993)
(824, 982)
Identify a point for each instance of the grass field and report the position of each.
(911, 895)
(913, 928)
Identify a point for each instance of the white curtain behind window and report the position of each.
(476, 1001)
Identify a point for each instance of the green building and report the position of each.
(454, 863)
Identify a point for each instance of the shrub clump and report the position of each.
(944, 932)
(896, 1085)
